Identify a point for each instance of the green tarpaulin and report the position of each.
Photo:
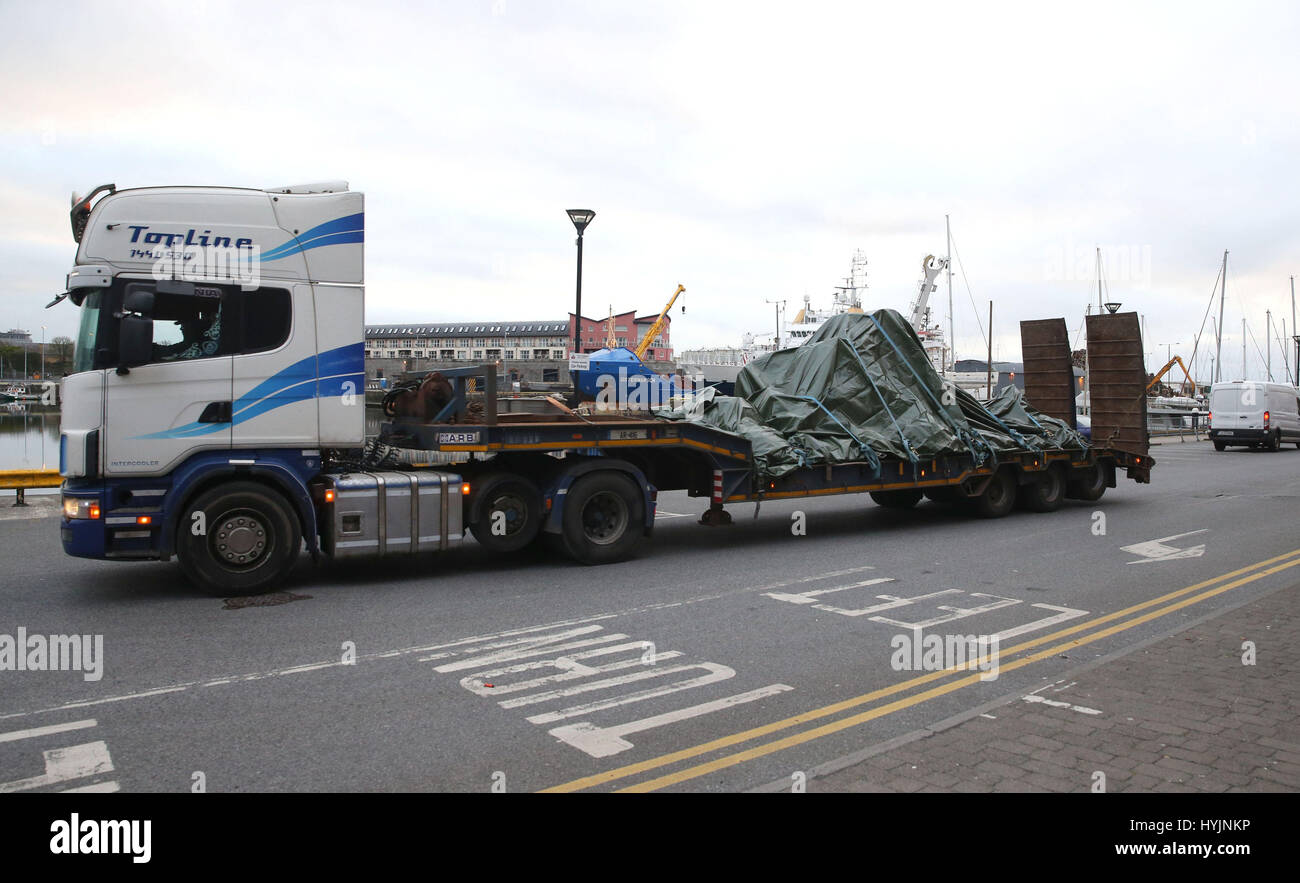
(860, 389)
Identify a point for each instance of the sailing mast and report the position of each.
(952, 331)
(1218, 334)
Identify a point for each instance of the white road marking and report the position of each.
(65, 764)
(432, 649)
(522, 648)
(35, 732)
(569, 667)
(100, 788)
(715, 673)
(811, 597)
(1064, 615)
(953, 612)
(1033, 697)
(605, 741)
(1158, 550)
(645, 674)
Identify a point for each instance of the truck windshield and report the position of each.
(83, 358)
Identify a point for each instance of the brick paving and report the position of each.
(1183, 714)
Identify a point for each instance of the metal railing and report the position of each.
(21, 479)
(1180, 423)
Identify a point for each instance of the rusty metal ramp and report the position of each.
(1049, 370)
(1117, 383)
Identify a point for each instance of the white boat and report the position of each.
(16, 392)
(722, 364)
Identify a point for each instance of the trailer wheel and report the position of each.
(999, 495)
(604, 517)
(904, 499)
(506, 514)
(1045, 493)
(1088, 484)
(239, 538)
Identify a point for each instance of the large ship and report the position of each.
(720, 365)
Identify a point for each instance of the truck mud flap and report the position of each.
(1117, 383)
(1049, 370)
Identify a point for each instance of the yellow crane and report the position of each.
(658, 326)
(1165, 370)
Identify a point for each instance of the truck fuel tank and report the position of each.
(390, 513)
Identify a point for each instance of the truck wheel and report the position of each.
(999, 495)
(1274, 442)
(1045, 493)
(247, 539)
(1222, 446)
(904, 499)
(1088, 484)
(506, 513)
(942, 494)
(604, 517)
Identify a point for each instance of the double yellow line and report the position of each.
(1173, 601)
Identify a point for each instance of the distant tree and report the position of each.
(58, 356)
(11, 360)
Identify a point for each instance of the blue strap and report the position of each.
(961, 434)
(907, 445)
(866, 448)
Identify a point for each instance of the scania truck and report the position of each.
(216, 413)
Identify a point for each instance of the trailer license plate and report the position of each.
(457, 438)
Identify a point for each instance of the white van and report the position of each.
(1255, 414)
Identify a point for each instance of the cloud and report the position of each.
(743, 150)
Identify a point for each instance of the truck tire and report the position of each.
(604, 517)
(1087, 484)
(904, 499)
(1274, 442)
(520, 505)
(999, 496)
(1223, 446)
(1045, 493)
(249, 539)
(943, 495)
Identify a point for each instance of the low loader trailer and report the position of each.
(216, 414)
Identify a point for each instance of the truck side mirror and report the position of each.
(134, 342)
(139, 300)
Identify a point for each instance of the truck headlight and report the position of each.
(80, 508)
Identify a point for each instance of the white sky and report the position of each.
(744, 150)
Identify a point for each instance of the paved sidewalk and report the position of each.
(1181, 714)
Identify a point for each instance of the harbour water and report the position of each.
(29, 436)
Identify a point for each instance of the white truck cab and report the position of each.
(1254, 414)
(220, 345)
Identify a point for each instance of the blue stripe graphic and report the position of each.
(315, 377)
(340, 231)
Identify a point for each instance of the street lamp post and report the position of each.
(580, 217)
(42, 352)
